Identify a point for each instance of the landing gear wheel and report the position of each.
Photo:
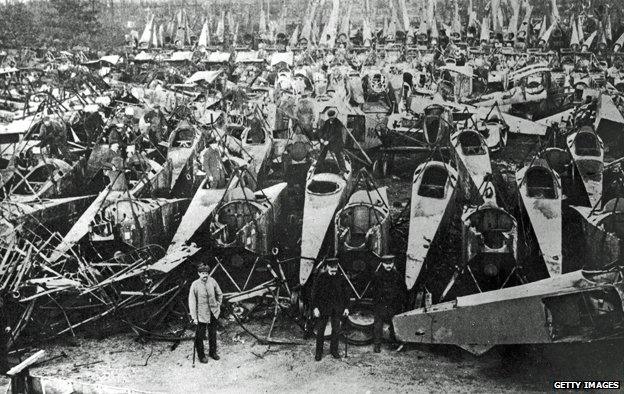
(357, 336)
(358, 329)
(296, 302)
(361, 315)
(376, 170)
(384, 167)
(380, 167)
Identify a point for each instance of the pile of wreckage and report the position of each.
(119, 174)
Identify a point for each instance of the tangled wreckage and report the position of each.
(120, 173)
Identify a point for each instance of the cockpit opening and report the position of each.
(540, 183)
(323, 187)
(433, 182)
(586, 144)
(471, 143)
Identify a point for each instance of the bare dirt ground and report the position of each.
(247, 366)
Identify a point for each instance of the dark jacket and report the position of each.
(53, 134)
(330, 293)
(332, 131)
(389, 291)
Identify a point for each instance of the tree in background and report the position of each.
(62, 24)
(72, 21)
(101, 24)
(17, 25)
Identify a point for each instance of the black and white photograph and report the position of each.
(325, 196)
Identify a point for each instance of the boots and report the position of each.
(319, 355)
(377, 348)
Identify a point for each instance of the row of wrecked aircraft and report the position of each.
(116, 180)
(513, 24)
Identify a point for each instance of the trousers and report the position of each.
(380, 319)
(321, 322)
(200, 334)
(340, 159)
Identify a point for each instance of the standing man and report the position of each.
(389, 295)
(155, 126)
(117, 140)
(53, 135)
(330, 296)
(205, 300)
(331, 137)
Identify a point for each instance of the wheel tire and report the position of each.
(361, 315)
(376, 171)
(358, 330)
(380, 167)
(296, 302)
(357, 336)
(384, 168)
